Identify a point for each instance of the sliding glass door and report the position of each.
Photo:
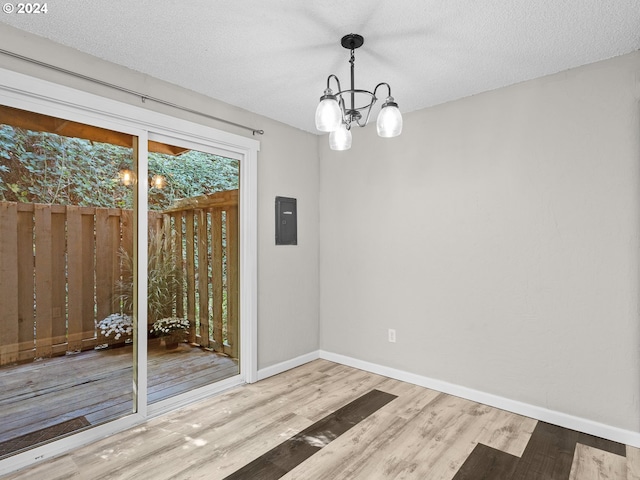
(114, 241)
(67, 210)
(193, 279)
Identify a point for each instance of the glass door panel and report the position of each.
(193, 281)
(66, 229)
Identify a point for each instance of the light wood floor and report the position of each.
(421, 434)
(98, 384)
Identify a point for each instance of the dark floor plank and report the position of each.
(486, 463)
(286, 456)
(549, 453)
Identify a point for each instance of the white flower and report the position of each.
(116, 324)
(167, 326)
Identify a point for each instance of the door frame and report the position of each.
(33, 94)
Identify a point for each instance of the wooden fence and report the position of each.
(59, 266)
(205, 233)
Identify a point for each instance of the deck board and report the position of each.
(98, 384)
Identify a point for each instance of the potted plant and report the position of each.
(174, 330)
(117, 325)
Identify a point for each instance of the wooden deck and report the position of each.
(97, 385)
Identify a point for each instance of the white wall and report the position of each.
(499, 236)
(287, 165)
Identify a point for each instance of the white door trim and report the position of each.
(29, 93)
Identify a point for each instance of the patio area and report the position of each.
(47, 398)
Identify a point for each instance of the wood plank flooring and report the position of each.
(415, 433)
(97, 386)
(289, 454)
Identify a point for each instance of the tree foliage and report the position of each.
(191, 174)
(39, 167)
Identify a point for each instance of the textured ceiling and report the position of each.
(272, 57)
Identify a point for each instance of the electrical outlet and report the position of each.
(392, 335)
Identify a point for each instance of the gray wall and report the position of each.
(287, 165)
(499, 236)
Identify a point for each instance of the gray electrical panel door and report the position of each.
(286, 221)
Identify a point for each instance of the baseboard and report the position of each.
(550, 416)
(287, 365)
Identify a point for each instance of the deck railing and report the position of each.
(204, 232)
(59, 266)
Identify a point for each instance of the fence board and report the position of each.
(87, 253)
(232, 281)
(203, 277)
(166, 227)
(191, 273)
(26, 264)
(44, 325)
(177, 224)
(216, 280)
(58, 279)
(164, 230)
(104, 264)
(8, 284)
(127, 225)
(74, 278)
(115, 230)
(155, 221)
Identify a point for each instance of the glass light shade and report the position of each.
(389, 121)
(340, 139)
(158, 181)
(127, 177)
(328, 114)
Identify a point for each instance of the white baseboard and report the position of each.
(584, 425)
(287, 365)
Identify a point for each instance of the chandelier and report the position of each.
(333, 115)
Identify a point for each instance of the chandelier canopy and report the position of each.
(334, 116)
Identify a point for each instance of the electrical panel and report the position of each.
(286, 221)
